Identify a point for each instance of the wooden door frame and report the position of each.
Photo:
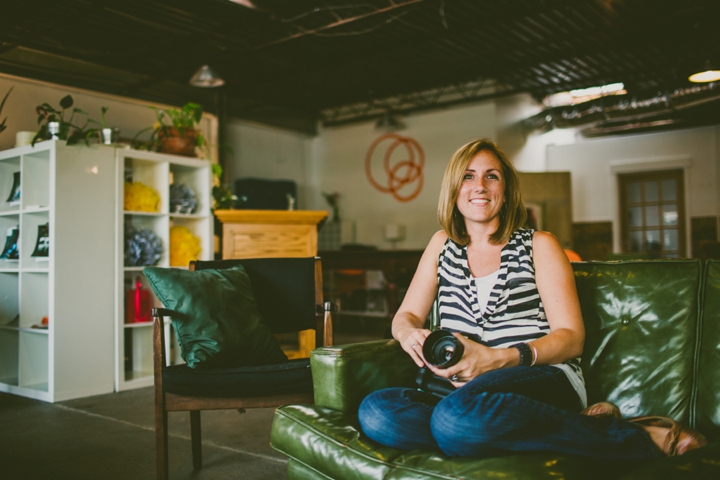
(618, 167)
(660, 175)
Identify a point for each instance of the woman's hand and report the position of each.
(476, 360)
(412, 341)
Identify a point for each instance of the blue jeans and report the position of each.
(519, 409)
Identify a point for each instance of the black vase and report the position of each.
(14, 196)
(11, 251)
(42, 245)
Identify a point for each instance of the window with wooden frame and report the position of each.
(652, 212)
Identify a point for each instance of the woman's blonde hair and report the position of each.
(513, 213)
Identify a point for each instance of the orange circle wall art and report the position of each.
(403, 162)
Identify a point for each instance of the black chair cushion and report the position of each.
(292, 376)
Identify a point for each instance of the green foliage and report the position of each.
(2, 124)
(182, 119)
(222, 194)
(68, 131)
(102, 124)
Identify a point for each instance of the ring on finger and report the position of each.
(414, 345)
(454, 378)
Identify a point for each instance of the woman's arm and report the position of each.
(408, 323)
(556, 285)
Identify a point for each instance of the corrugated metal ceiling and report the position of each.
(287, 61)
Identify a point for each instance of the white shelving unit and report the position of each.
(134, 340)
(72, 189)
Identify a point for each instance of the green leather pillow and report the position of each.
(218, 324)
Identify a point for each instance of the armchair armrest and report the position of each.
(344, 375)
(161, 312)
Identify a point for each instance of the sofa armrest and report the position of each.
(344, 375)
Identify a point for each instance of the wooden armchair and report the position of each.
(289, 295)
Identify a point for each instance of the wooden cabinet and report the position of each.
(270, 233)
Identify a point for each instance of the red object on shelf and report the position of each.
(137, 304)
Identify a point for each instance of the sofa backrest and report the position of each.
(708, 384)
(641, 320)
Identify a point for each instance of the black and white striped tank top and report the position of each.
(514, 312)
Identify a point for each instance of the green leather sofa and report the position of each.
(653, 347)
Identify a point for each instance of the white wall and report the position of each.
(594, 165)
(129, 115)
(334, 161)
(338, 164)
(266, 152)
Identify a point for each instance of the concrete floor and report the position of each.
(111, 437)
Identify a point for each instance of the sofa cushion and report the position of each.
(293, 376)
(215, 317)
(641, 325)
(329, 444)
(708, 393)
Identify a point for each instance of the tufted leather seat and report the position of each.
(652, 347)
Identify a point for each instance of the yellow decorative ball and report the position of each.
(184, 247)
(141, 198)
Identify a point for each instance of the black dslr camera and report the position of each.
(441, 349)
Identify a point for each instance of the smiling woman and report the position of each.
(507, 296)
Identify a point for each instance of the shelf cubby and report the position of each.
(157, 171)
(198, 226)
(28, 239)
(35, 180)
(9, 357)
(9, 305)
(34, 299)
(7, 221)
(33, 355)
(158, 224)
(8, 167)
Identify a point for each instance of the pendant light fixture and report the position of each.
(206, 78)
(708, 73)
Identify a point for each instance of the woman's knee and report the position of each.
(398, 418)
(373, 411)
(455, 422)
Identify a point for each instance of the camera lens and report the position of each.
(442, 349)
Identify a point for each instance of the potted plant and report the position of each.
(2, 124)
(222, 195)
(105, 134)
(56, 126)
(176, 130)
